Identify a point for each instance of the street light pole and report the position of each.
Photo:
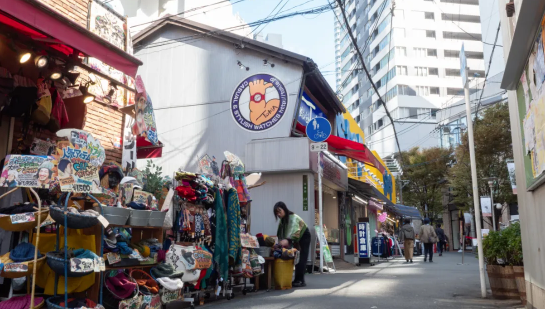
(475, 189)
(491, 185)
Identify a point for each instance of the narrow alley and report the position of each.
(393, 284)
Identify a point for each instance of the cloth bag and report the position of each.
(45, 277)
(175, 258)
(42, 114)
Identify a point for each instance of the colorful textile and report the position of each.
(233, 226)
(221, 244)
(23, 252)
(293, 230)
(20, 302)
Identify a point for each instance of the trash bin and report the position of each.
(283, 274)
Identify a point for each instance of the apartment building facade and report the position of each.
(416, 69)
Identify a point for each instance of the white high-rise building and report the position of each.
(420, 77)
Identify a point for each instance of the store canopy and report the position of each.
(406, 211)
(43, 24)
(367, 190)
(146, 150)
(354, 150)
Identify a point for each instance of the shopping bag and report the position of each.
(45, 277)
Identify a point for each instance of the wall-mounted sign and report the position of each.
(319, 129)
(79, 160)
(305, 193)
(486, 206)
(107, 25)
(308, 110)
(259, 102)
(145, 118)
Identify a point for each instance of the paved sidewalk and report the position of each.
(393, 284)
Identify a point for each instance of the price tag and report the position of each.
(317, 147)
(113, 258)
(78, 265)
(15, 268)
(101, 264)
(104, 221)
(22, 218)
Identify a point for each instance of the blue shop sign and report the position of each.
(363, 239)
(308, 110)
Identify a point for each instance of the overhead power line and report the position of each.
(362, 60)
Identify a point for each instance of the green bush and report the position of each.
(505, 245)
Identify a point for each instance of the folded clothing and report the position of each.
(20, 302)
(23, 252)
(138, 206)
(165, 270)
(18, 209)
(121, 286)
(124, 248)
(78, 253)
(79, 302)
(148, 285)
(171, 284)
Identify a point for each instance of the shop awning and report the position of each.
(366, 190)
(406, 211)
(63, 31)
(354, 150)
(146, 150)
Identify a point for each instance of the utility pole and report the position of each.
(474, 184)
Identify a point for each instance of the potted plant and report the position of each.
(514, 240)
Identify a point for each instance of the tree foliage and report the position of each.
(425, 171)
(493, 146)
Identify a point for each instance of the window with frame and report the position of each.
(401, 70)
(429, 15)
(401, 51)
(433, 114)
(430, 34)
(421, 71)
(403, 90)
(432, 52)
(422, 90)
(454, 91)
(434, 90)
(433, 71)
(420, 52)
(452, 72)
(413, 113)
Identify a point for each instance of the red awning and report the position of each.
(354, 150)
(48, 22)
(146, 150)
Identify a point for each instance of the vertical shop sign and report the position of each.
(363, 239)
(512, 176)
(145, 118)
(305, 193)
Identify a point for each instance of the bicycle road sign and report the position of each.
(318, 129)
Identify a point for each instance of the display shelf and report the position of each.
(129, 267)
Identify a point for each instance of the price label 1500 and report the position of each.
(317, 147)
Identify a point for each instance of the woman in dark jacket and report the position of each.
(441, 237)
(294, 229)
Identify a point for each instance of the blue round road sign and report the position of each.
(318, 129)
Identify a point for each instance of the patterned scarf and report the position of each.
(233, 225)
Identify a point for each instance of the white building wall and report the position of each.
(191, 86)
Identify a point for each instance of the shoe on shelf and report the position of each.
(298, 284)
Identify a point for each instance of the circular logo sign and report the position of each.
(259, 102)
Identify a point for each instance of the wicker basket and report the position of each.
(54, 303)
(5, 222)
(111, 300)
(30, 264)
(57, 265)
(75, 221)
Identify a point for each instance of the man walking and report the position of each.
(428, 237)
(441, 236)
(406, 235)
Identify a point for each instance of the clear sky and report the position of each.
(309, 35)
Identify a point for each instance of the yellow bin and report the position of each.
(283, 274)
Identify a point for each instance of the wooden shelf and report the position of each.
(128, 267)
(136, 227)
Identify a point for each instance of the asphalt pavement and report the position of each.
(392, 284)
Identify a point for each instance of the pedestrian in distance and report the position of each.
(428, 237)
(295, 230)
(441, 237)
(406, 235)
